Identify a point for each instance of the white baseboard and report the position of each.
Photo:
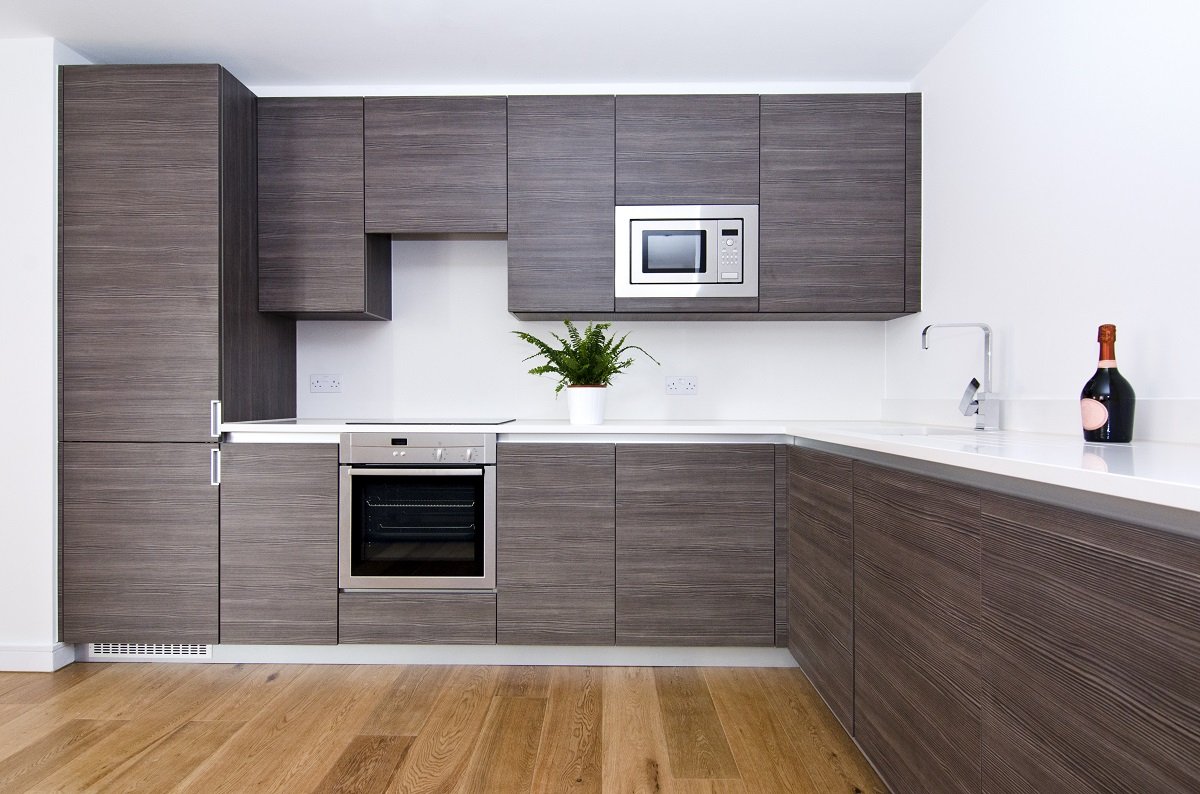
(35, 659)
(603, 656)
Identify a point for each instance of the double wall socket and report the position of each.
(681, 384)
(325, 383)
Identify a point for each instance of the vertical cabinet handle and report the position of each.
(214, 466)
(214, 418)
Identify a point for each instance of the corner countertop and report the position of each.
(1152, 472)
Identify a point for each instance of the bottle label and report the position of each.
(1095, 414)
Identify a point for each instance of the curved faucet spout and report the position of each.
(987, 347)
(981, 403)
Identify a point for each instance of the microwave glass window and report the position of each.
(673, 252)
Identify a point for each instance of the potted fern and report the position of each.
(585, 364)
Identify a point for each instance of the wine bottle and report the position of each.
(1106, 403)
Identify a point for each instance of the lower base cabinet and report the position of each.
(453, 618)
(279, 554)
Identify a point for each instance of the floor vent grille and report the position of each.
(137, 652)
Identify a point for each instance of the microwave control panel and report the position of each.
(729, 251)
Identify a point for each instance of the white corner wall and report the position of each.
(28, 311)
(1061, 191)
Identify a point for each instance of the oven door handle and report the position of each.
(403, 471)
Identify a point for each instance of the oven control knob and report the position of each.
(439, 455)
(469, 455)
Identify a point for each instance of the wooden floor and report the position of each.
(298, 728)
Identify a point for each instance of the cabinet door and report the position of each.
(832, 217)
(555, 543)
(821, 575)
(917, 643)
(279, 555)
(141, 243)
(436, 165)
(139, 543)
(560, 204)
(695, 544)
(314, 259)
(687, 149)
(1091, 655)
(456, 618)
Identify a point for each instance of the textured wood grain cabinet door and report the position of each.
(695, 544)
(556, 544)
(699, 149)
(917, 645)
(561, 190)
(436, 165)
(1091, 655)
(460, 618)
(821, 575)
(315, 260)
(139, 543)
(833, 210)
(279, 543)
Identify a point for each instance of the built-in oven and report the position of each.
(417, 511)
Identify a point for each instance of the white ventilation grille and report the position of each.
(134, 652)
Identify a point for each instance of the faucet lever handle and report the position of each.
(968, 404)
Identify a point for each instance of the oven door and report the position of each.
(413, 528)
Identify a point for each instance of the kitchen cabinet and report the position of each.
(1091, 654)
(840, 207)
(435, 165)
(139, 543)
(315, 260)
(689, 149)
(781, 544)
(159, 308)
(448, 617)
(820, 520)
(561, 191)
(695, 544)
(917, 643)
(279, 544)
(556, 544)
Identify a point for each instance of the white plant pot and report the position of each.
(586, 404)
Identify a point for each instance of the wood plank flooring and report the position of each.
(458, 730)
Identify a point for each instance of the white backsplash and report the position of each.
(449, 352)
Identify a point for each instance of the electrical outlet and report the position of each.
(325, 383)
(681, 385)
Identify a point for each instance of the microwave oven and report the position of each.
(687, 251)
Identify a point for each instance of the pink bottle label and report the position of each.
(1095, 415)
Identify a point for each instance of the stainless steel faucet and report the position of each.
(982, 404)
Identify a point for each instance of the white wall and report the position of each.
(1061, 191)
(28, 399)
(448, 352)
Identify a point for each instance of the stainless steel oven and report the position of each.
(417, 511)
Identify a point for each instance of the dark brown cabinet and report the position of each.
(1091, 655)
(555, 544)
(840, 207)
(315, 261)
(560, 204)
(435, 165)
(139, 543)
(917, 644)
(820, 499)
(279, 543)
(689, 149)
(447, 618)
(695, 544)
(159, 307)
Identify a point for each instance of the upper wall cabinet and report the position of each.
(687, 149)
(560, 204)
(840, 211)
(314, 259)
(435, 165)
(159, 310)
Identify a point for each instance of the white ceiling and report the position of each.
(457, 42)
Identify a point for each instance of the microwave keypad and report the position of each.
(730, 255)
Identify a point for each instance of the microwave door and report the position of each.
(672, 252)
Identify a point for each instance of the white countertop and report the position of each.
(1153, 472)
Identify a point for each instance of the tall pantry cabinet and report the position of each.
(158, 324)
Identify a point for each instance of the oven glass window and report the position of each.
(413, 525)
(673, 251)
